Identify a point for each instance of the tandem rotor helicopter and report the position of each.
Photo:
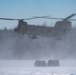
(61, 27)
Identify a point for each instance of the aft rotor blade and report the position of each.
(45, 17)
(53, 18)
(60, 19)
(72, 19)
(69, 17)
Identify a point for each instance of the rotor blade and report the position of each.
(59, 18)
(45, 17)
(48, 18)
(31, 18)
(53, 18)
(69, 16)
(41, 16)
(7, 19)
(72, 19)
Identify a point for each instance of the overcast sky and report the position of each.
(30, 8)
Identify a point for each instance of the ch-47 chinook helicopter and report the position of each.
(60, 28)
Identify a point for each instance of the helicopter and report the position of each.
(60, 28)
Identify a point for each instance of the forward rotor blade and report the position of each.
(7, 19)
(31, 18)
(42, 16)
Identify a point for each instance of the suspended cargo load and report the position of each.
(39, 63)
(53, 63)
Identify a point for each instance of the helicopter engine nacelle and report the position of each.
(62, 27)
(63, 24)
